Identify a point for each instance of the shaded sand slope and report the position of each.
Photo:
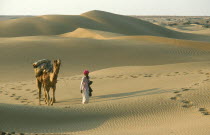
(17, 54)
(124, 102)
(45, 25)
(131, 26)
(8, 17)
(97, 20)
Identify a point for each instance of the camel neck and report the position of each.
(55, 73)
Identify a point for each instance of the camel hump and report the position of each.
(41, 65)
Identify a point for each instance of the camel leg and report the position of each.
(39, 85)
(45, 96)
(54, 88)
(48, 95)
(48, 98)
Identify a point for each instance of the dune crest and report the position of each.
(96, 20)
(90, 33)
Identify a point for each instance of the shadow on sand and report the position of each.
(118, 96)
(35, 119)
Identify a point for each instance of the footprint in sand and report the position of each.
(17, 98)
(206, 80)
(185, 73)
(148, 75)
(176, 91)
(178, 95)
(28, 89)
(174, 98)
(196, 84)
(110, 76)
(119, 76)
(169, 74)
(22, 101)
(187, 103)
(185, 89)
(204, 111)
(200, 72)
(133, 76)
(12, 95)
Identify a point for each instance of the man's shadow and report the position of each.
(118, 96)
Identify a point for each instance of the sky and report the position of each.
(125, 7)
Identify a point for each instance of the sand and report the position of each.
(142, 84)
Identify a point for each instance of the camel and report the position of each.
(48, 81)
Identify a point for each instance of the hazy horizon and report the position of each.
(131, 7)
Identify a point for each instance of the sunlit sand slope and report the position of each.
(18, 54)
(126, 100)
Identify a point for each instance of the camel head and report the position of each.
(56, 66)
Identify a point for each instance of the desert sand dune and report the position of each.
(88, 33)
(9, 17)
(137, 108)
(195, 29)
(78, 53)
(97, 20)
(146, 79)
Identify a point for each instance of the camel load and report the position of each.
(41, 65)
(46, 77)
